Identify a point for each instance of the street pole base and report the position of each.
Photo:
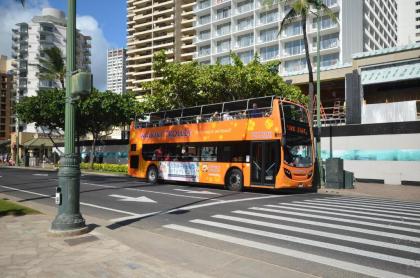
(68, 225)
(68, 233)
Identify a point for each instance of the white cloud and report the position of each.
(12, 12)
(89, 26)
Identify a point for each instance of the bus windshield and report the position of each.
(298, 151)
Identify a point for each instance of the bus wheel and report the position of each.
(235, 181)
(152, 174)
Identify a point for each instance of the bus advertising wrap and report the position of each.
(179, 171)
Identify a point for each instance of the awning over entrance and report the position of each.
(40, 142)
(390, 73)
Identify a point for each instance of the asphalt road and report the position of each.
(329, 236)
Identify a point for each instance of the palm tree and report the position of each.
(52, 67)
(303, 8)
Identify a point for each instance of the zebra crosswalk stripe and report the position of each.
(338, 236)
(346, 209)
(372, 199)
(368, 211)
(330, 225)
(371, 203)
(290, 252)
(315, 243)
(365, 205)
(290, 211)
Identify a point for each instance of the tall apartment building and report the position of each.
(30, 39)
(407, 21)
(116, 70)
(6, 96)
(247, 27)
(417, 21)
(155, 25)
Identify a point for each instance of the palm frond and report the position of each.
(22, 2)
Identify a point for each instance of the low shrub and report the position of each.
(106, 167)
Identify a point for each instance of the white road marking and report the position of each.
(354, 213)
(165, 193)
(142, 199)
(373, 199)
(205, 192)
(26, 191)
(368, 205)
(214, 203)
(319, 244)
(290, 252)
(82, 203)
(101, 185)
(41, 175)
(321, 233)
(372, 203)
(383, 226)
(137, 216)
(333, 226)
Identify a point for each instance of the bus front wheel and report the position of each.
(152, 174)
(235, 180)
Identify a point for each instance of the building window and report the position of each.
(224, 60)
(268, 35)
(223, 13)
(246, 56)
(295, 65)
(328, 60)
(223, 46)
(245, 6)
(270, 52)
(245, 23)
(327, 41)
(223, 29)
(294, 47)
(204, 35)
(325, 22)
(204, 19)
(204, 4)
(293, 29)
(204, 50)
(245, 40)
(269, 16)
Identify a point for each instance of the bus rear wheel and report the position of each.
(152, 174)
(235, 180)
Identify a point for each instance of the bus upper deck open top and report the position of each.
(263, 142)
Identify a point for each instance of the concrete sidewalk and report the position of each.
(376, 190)
(27, 250)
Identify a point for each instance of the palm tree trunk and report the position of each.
(310, 71)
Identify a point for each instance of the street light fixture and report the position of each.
(69, 220)
(318, 92)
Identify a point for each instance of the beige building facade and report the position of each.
(154, 25)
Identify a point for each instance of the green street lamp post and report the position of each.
(69, 219)
(318, 93)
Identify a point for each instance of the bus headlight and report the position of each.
(288, 173)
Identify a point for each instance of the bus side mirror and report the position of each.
(283, 141)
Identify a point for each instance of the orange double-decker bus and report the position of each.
(263, 142)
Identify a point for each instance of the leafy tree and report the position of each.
(303, 8)
(52, 67)
(97, 114)
(101, 111)
(46, 110)
(189, 84)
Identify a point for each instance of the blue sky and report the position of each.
(110, 14)
(103, 20)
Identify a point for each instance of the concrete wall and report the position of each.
(352, 28)
(392, 158)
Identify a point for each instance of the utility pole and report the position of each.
(318, 93)
(69, 220)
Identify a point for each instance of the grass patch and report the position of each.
(12, 208)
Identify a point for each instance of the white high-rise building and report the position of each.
(116, 70)
(417, 21)
(30, 39)
(407, 21)
(246, 27)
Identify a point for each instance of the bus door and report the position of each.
(265, 157)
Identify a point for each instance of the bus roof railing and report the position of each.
(215, 111)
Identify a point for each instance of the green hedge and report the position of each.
(104, 167)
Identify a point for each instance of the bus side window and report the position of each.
(209, 153)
